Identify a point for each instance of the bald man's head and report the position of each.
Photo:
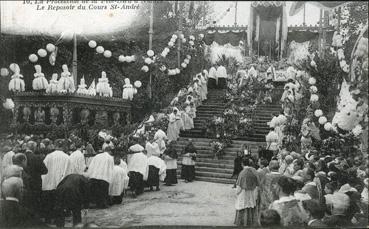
(12, 187)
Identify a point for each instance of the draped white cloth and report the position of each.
(123, 165)
(56, 164)
(152, 149)
(119, 182)
(212, 73)
(221, 72)
(101, 167)
(216, 52)
(160, 164)
(138, 162)
(298, 52)
(77, 163)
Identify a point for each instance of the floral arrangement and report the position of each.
(218, 149)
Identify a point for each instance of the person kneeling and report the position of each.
(117, 186)
(72, 194)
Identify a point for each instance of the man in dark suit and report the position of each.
(11, 213)
(72, 194)
(35, 168)
(315, 212)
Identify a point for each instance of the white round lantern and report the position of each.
(184, 65)
(312, 81)
(174, 36)
(177, 70)
(137, 84)
(4, 72)
(201, 36)
(166, 49)
(318, 113)
(92, 44)
(322, 120)
(129, 59)
(100, 49)
(148, 60)
(191, 43)
(192, 38)
(150, 53)
(187, 61)
(172, 72)
(42, 52)
(313, 89)
(50, 47)
(107, 53)
(145, 68)
(122, 58)
(8, 104)
(33, 58)
(163, 54)
(184, 40)
(328, 126)
(314, 98)
(181, 36)
(188, 57)
(170, 44)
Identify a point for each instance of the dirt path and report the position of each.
(197, 203)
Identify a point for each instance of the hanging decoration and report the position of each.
(33, 58)
(42, 52)
(92, 44)
(50, 47)
(100, 49)
(4, 72)
(137, 84)
(107, 53)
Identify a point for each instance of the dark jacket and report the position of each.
(73, 192)
(35, 168)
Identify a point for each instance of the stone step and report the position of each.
(212, 174)
(200, 168)
(215, 180)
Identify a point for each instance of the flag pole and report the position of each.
(75, 58)
(235, 15)
(151, 31)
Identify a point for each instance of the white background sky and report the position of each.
(26, 19)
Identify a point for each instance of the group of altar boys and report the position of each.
(44, 179)
(65, 84)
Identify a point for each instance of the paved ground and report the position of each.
(197, 203)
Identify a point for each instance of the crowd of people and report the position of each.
(293, 190)
(43, 181)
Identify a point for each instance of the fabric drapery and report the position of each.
(56, 164)
(138, 162)
(101, 167)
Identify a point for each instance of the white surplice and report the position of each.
(77, 164)
(152, 149)
(119, 182)
(159, 164)
(138, 162)
(56, 164)
(101, 167)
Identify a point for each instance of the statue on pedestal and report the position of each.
(16, 83)
(54, 113)
(39, 83)
(66, 82)
(53, 84)
(85, 114)
(26, 114)
(39, 116)
(102, 87)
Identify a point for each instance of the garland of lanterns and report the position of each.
(108, 54)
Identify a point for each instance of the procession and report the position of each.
(174, 113)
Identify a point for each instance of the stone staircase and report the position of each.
(220, 170)
(210, 169)
(214, 105)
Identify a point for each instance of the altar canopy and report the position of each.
(267, 30)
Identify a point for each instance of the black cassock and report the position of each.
(72, 194)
